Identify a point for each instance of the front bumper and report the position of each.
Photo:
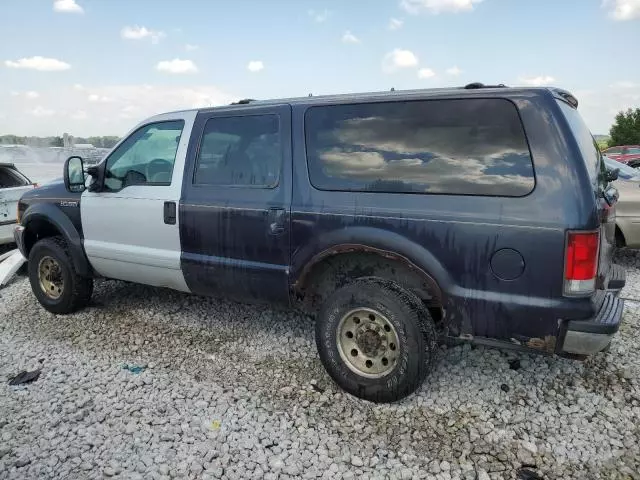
(18, 236)
(586, 337)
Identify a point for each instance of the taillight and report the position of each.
(581, 262)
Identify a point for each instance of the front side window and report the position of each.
(240, 151)
(145, 158)
(459, 146)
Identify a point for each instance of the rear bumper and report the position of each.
(586, 337)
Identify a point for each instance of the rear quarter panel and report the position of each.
(453, 237)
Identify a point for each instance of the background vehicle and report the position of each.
(628, 206)
(399, 218)
(12, 185)
(628, 154)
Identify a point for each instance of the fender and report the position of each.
(369, 239)
(51, 214)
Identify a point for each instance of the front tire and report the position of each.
(376, 340)
(54, 282)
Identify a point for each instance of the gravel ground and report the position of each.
(236, 391)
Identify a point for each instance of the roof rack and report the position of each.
(475, 85)
(244, 101)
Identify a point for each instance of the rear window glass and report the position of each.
(460, 146)
(586, 143)
(10, 178)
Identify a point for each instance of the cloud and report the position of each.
(40, 111)
(623, 10)
(98, 98)
(435, 7)
(454, 71)
(538, 81)
(141, 33)
(395, 24)
(79, 115)
(31, 95)
(319, 16)
(625, 84)
(397, 59)
(67, 6)
(255, 66)
(349, 37)
(190, 48)
(426, 73)
(177, 66)
(39, 63)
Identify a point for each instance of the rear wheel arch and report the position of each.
(335, 267)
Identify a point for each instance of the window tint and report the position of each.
(586, 143)
(10, 178)
(240, 151)
(146, 157)
(632, 151)
(470, 147)
(613, 150)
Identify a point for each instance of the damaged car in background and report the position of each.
(399, 219)
(628, 206)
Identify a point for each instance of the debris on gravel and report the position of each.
(234, 391)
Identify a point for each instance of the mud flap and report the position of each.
(10, 263)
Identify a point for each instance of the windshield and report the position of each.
(626, 172)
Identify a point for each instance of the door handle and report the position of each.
(277, 218)
(170, 213)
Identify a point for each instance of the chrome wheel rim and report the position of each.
(368, 343)
(50, 278)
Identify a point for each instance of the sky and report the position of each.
(98, 67)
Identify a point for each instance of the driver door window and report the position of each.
(147, 157)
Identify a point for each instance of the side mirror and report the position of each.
(74, 178)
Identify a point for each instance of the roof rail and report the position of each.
(244, 101)
(475, 85)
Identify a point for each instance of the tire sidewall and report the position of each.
(402, 379)
(47, 248)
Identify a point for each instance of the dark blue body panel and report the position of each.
(451, 239)
(228, 247)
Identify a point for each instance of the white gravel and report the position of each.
(234, 391)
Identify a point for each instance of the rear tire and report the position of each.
(376, 340)
(54, 282)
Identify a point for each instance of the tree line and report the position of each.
(107, 141)
(626, 128)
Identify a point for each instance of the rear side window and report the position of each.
(240, 151)
(586, 143)
(10, 178)
(460, 146)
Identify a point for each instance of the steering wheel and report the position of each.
(158, 165)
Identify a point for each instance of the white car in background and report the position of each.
(628, 206)
(12, 185)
